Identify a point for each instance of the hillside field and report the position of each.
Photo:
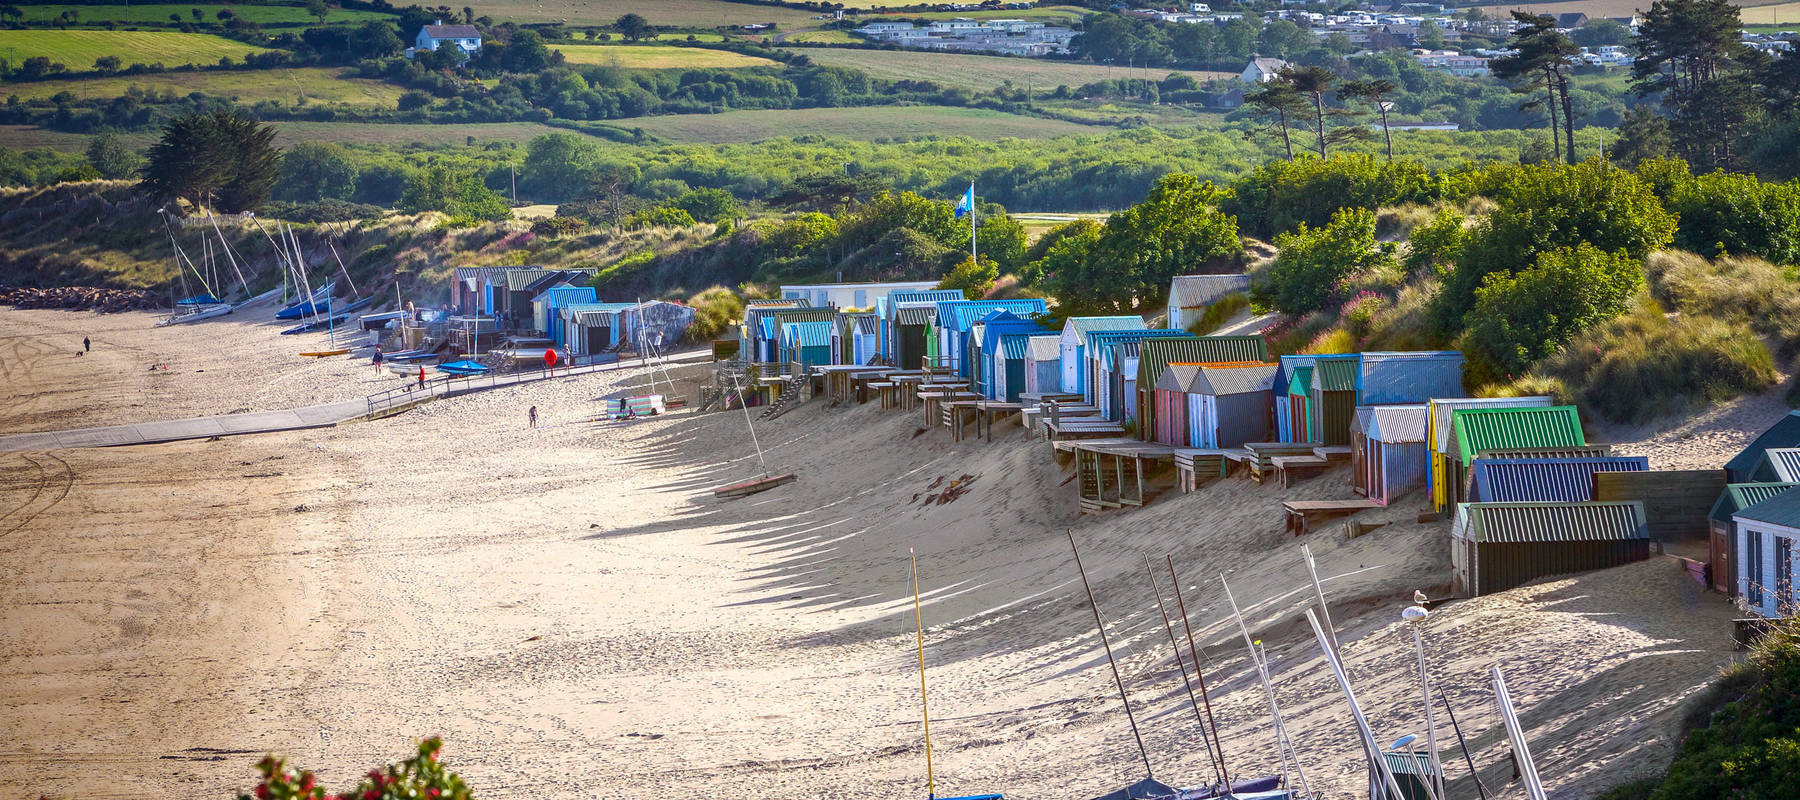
(981, 73)
(159, 12)
(684, 13)
(874, 123)
(78, 49)
(286, 86)
(288, 134)
(649, 56)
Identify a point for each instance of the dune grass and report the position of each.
(637, 56)
(78, 49)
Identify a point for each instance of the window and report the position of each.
(862, 298)
(1753, 561)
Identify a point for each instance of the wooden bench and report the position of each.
(1305, 515)
(1289, 469)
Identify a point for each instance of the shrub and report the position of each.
(715, 310)
(418, 778)
(1313, 264)
(1219, 312)
(1437, 244)
(322, 211)
(660, 217)
(1724, 213)
(1751, 748)
(1281, 195)
(558, 226)
(974, 278)
(1524, 316)
(707, 205)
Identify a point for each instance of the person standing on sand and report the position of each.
(86, 346)
(421, 376)
(532, 415)
(377, 359)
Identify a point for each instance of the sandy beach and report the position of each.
(577, 616)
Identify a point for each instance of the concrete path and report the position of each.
(319, 416)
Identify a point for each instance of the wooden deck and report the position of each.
(1111, 472)
(1289, 469)
(1196, 467)
(1259, 456)
(1303, 516)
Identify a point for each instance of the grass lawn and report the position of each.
(249, 86)
(78, 49)
(159, 12)
(650, 56)
(825, 37)
(287, 134)
(981, 73)
(880, 122)
(685, 13)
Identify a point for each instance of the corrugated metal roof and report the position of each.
(925, 296)
(1082, 326)
(1441, 409)
(807, 334)
(1565, 480)
(1572, 451)
(1335, 374)
(1156, 354)
(1479, 429)
(1118, 353)
(1178, 377)
(1223, 379)
(1784, 462)
(1193, 291)
(958, 315)
(1396, 424)
(793, 302)
(1013, 346)
(867, 324)
(1550, 522)
(1418, 763)
(565, 295)
(1782, 509)
(1046, 348)
(1784, 433)
(1301, 382)
(1738, 496)
(519, 280)
(786, 315)
(1409, 377)
(916, 316)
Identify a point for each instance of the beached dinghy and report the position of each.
(315, 325)
(464, 368)
(324, 353)
(319, 300)
(196, 313)
(748, 488)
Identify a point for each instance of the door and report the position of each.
(1784, 575)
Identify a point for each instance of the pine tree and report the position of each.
(222, 158)
(1542, 57)
(1690, 54)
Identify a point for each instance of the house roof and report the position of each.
(1396, 424)
(565, 294)
(1178, 377)
(782, 303)
(1194, 291)
(1784, 433)
(1230, 378)
(1739, 496)
(1478, 429)
(1335, 375)
(1268, 64)
(1567, 451)
(958, 315)
(521, 279)
(477, 276)
(922, 315)
(1046, 348)
(1544, 479)
(1782, 509)
(807, 334)
(452, 32)
(866, 324)
(1783, 463)
(1013, 346)
(925, 296)
(1082, 326)
(1550, 522)
(1157, 353)
(1440, 428)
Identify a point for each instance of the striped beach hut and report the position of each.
(1497, 546)
(1475, 430)
(1102, 363)
(1566, 480)
(856, 339)
(1439, 437)
(773, 321)
(1189, 295)
(955, 318)
(1010, 364)
(593, 328)
(1784, 433)
(1387, 451)
(1779, 464)
(1075, 342)
(807, 344)
(1170, 399)
(1331, 405)
(995, 359)
(545, 308)
(1407, 377)
(1213, 406)
(1765, 565)
(1043, 364)
(888, 308)
(1156, 354)
(1722, 556)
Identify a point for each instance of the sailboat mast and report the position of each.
(1257, 660)
(1199, 676)
(924, 708)
(1118, 681)
(1176, 646)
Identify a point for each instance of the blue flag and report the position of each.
(967, 204)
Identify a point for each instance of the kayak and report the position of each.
(324, 353)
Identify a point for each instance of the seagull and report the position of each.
(1419, 597)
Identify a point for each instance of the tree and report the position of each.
(1068, 268)
(975, 279)
(1001, 238)
(314, 171)
(708, 205)
(1541, 57)
(199, 15)
(525, 53)
(660, 217)
(1522, 317)
(1643, 135)
(633, 27)
(1280, 104)
(319, 9)
(1176, 230)
(1375, 92)
(459, 194)
(1312, 263)
(1688, 51)
(11, 12)
(829, 192)
(1430, 36)
(222, 157)
(1602, 33)
(1313, 83)
(111, 158)
(108, 63)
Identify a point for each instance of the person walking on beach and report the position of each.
(532, 415)
(86, 346)
(377, 359)
(421, 376)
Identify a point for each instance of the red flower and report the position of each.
(262, 791)
(434, 792)
(306, 782)
(370, 794)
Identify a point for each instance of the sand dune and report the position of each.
(578, 617)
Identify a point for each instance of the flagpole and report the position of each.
(973, 256)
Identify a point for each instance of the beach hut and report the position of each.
(889, 307)
(955, 318)
(1439, 437)
(1169, 398)
(1228, 404)
(1566, 480)
(547, 306)
(1075, 342)
(1003, 368)
(1156, 354)
(1722, 559)
(1498, 546)
(1475, 430)
(1110, 374)
(857, 339)
(1387, 451)
(593, 328)
(469, 289)
(773, 322)
(1189, 295)
(1779, 464)
(911, 325)
(1765, 570)
(806, 344)
(1404, 378)
(1043, 364)
(1296, 406)
(1332, 402)
(1784, 433)
(1011, 366)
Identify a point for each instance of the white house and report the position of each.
(850, 295)
(1765, 565)
(436, 35)
(1261, 70)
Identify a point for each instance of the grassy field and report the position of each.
(159, 12)
(981, 73)
(686, 13)
(78, 49)
(825, 37)
(875, 123)
(289, 133)
(649, 56)
(284, 85)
